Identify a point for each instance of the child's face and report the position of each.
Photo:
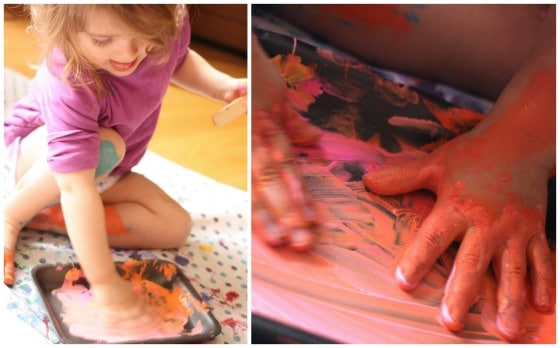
(110, 44)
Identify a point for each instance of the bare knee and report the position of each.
(178, 229)
(112, 149)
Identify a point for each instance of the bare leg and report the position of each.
(36, 189)
(476, 48)
(138, 214)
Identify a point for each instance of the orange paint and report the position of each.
(114, 221)
(171, 306)
(454, 119)
(49, 217)
(529, 111)
(52, 218)
(372, 17)
(8, 267)
(301, 80)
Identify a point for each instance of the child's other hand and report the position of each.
(283, 211)
(8, 266)
(494, 202)
(122, 312)
(236, 88)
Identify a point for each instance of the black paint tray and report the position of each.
(50, 277)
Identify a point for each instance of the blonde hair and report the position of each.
(56, 27)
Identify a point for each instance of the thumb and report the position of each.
(399, 178)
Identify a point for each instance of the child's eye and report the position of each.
(102, 43)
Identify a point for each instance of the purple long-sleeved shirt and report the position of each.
(73, 115)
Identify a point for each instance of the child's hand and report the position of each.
(10, 240)
(283, 211)
(122, 313)
(8, 266)
(235, 89)
(492, 200)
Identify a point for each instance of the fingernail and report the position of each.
(543, 301)
(448, 321)
(401, 279)
(8, 279)
(274, 235)
(510, 328)
(9, 275)
(301, 238)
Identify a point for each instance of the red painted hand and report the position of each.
(491, 200)
(283, 212)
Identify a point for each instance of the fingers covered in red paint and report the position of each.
(283, 212)
(541, 275)
(498, 220)
(402, 177)
(434, 236)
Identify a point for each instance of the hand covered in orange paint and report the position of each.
(283, 212)
(493, 201)
(123, 314)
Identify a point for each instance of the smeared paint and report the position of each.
(303, 86)
(344, 285)
(114, 222)
(8, 266)
(46, 322)
(234, 325)
(108, 158)
(172, 306)
(362, 244)
(206, 248)
(361, 104)
(372, 17)
(231, 296)
(454, 119)
(52, 219)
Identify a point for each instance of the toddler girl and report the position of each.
(86, 122)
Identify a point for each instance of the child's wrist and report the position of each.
(110, 291)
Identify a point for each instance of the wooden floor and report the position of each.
(185, 134)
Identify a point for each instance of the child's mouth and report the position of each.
(122, 67)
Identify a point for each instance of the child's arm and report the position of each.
(197, 75)
(283, 211)
(85, 222)
(491, 186)
(118, 304)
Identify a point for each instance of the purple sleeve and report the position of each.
(71, 117)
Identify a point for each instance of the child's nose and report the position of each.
(129, 48)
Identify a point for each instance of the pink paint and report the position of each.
(343, 288)
(172, 308)
(46, 322)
